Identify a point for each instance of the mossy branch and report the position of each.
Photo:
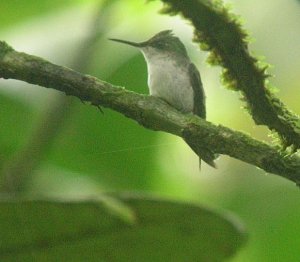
(148, 111)
(220, 32)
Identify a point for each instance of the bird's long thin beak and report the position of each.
(128, 42)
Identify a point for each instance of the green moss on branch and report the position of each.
(220, 32)
(149, 111)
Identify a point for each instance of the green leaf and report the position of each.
(100, 145)
(125, 228)
(14, 11)
(14, 117)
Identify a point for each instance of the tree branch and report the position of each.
(148, 111)
(220, 33)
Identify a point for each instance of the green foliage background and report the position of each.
(94, 152)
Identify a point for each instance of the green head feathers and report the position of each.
(162, 41)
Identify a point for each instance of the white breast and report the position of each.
(170, 82)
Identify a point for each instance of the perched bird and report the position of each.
(174, 78)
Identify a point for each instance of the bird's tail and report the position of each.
(207, 161)
(204, 154)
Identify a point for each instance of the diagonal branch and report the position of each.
(220, 33)
(148, 111)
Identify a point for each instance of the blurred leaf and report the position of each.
(109, 146)
(127, 228)
(15, 119)
(14, 11)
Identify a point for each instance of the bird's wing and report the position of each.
(199, 96)
(200, 110)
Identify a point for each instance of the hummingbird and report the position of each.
(173, 78)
